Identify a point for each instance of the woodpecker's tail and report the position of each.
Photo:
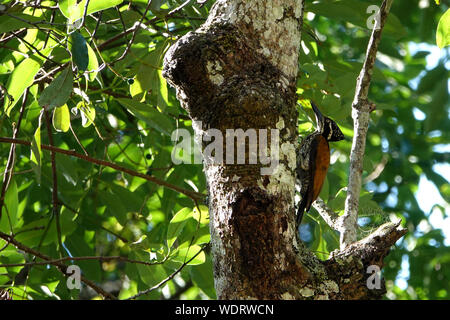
(300, 211)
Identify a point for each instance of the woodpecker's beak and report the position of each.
(319, 116)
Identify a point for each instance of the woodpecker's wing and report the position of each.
(321, 164)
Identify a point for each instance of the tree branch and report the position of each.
(12, 153)
(351, 267)
(55, 206)
(330, 217)
(163, 282)
(96, 258)
(61, 267)
(191, 194)
(361, 109)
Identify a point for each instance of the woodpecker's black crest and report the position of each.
(313, 160)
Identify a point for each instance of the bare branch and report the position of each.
(377, 171)
(10, 163)
(61, 267)
(330, 217)
(55, 207)
(163, 282)
(361, 109)
(191, 194)
(133, 36)
(95, 258)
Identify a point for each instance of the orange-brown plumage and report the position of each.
(322, 163)
(313, 160)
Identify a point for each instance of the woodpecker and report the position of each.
(313, 160)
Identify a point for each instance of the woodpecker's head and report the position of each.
(327, 127)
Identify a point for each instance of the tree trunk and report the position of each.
(239, 71)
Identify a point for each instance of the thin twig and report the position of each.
(163, 282)
(152, 21)
(96, 258)
(61, 267)
(188, 193)
(55, 207)
(98, 224)
(36, 50)
(133, 36)
(96, 27)
(330, 217)
(377, 171)
(78, 140)
(10, 163)
(83, 19)
(50, 73)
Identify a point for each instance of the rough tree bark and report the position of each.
(239, 71)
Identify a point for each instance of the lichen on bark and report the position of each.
(239, 71)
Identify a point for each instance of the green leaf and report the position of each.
(160, 86)
(59, 90)
(201, 216)
(433, 76)
(11, 257)
(150, 275)
(81, 243)
(67, 167)
(184, 254)
(114, 207)
(131, 200)
(12, 202)
(325, 192)
(202, 276)
(80, 51)
(73, 11)
(9, 217)
(36, 152)
(34, 233)
(354, 11)
(17, 21)
(93, 64)
(150, 115)
(87, 113)
(21, 78)
(443, 30)
(149, 77)
(176, 225)
(61, 118)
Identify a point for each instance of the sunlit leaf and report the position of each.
(177, 224)
(202, 276)
(36, 152)
(87, 113)
(21, 78)
(185, 254)
(9, 218)
(59, 90)
(149, 114)
(61, 118)
(74, 11)
(17, 21)
(92, 66)
(443, 30)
